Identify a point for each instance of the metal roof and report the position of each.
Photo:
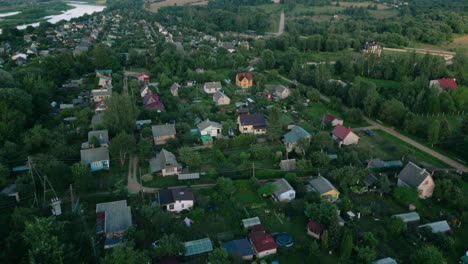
(94, 154)
(282, 186)
(322, 185)
(198, 246)
(251, 222)
(188, 176)
(163, 130)
(118, 215)
(413, 175)
(408, 217)
(385, 261)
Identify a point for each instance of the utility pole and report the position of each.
(253, 169)
(141, 183)
(35, 202)
(72, 198)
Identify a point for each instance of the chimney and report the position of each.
(422, 171)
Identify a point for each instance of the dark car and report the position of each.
(369, 133)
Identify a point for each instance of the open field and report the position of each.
(156, 5)
(459, 44)
(361, 4)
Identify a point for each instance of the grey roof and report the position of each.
(101, 135)
(408, 217)
(321, 185)
(101, 92)
(282, 186)
(252, 120)
(94, 154)
(413, 175)
(163, 130)
(176, 194)
(437, 227)
(289, 164)
(174, 87)
(295, 134)
(162, 160)
(218, 95)
(385, 261)
(198, 246)
(248, 222)
(275, 88)
(213, 85)
(207, 123)
(97, 118)
(118, 215)
(370, 180)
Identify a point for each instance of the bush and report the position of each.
(147, 178)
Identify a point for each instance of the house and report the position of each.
(288, 165)
(323, 187)
(221, 99)
(105, 81)
(408, 218)
(315, 229)
(291, 139)
(243, 110)
(278, 91)
(252, 123)
(416, 177)
(101, 94)
(249, 222)
(96, 120)
(284, 192)
(379, 165)
(244, 80)
(230, 47)
(344, 136)
(372, 48)
(331, 119)
(199, 246)
(212, 87)
(263, 244)
(65, 106)
(175, 89)
(113, 219)
(210, 128)
(444, 84)
(102, 136)
(370, 182)
(165, 163)
(438, 227)
(384, 261)
(161, 133)
(151, 101)
(96, 158)
(143, 77)
(100, 107)
(239, 247)
(11, 191)
(176, 200)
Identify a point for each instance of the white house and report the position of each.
(212, 87)
(144, 91)
(344, 136)
(284, 191)
(176, 200)
(210, 128)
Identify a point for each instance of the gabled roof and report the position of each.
(174, 87)
(198, 246)
(295, 134)
(244, 75)
(163, 130)
(408, 217)
(341, 132)
(276, 88)
(248, 222)
(213, 85)
(94, 154)
(176, 194)
(239, 247)
(118, 215)
(218, 95)
(263, 242)
(282, 186)
(207, 123)
(438, 227)
(151, 100)
(328, 118)
(101, 135)
(101, 92)
(315, 227)
(447, 83)
(385, 261)
(413, 175)
(252, 120)
(321, 185)
(163, 159)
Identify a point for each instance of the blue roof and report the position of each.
(21, 168)
(198, 246)
(333, 156)
(240, 247)
(295, 134)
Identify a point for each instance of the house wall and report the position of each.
(351, 139)
(98, 98)
(223, 101)
(244, 84)
(266, 253)
(251, 130)
(170, 170)
(426, 188)
(210, 131)
(336, 122)
(179, 206)
(312, 234)
(99, 165)
(163, 139)
(285, 197)
(210, 90)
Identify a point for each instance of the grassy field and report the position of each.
(32, 13)
(459, 44)
(157, 5)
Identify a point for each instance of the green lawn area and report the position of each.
(383, 14)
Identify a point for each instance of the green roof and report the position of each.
(206, 138)
(198, 246)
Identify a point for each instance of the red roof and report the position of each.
(257, 228)
(328, 118)
(341, 132)
(263, 242)
(246, 75)
(447, 83)
(315, 227)
(151, 101)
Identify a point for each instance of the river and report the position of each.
(79, 9)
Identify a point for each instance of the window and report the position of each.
(171, 206)
(183, 205)
(245, 128)
(291, 195)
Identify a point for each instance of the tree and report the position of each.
(395, 226)
(254, 183)
(320, 159)
(370, 101)
(42, 235)
(225, 186)
(81, 176)
(6, 79)
(291, 178)
(324, 240)
(169, 245)
(321, 140)
(145, 148)
(334, 232)
(393, 112)
(433, 132)
(445, 130)
(267, 189)
(219, 256)
(120, 114)
(365, 254)
(314, 250)
(322, 212)
(405, 195)
(122, 146)
(197, 214)
(4, 172)
(125, 255)
(429, 255)
(384, 184)
(189, 157)
(346, 244)
(274, 126)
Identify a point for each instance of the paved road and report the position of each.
(374, 125)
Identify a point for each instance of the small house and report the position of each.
(151, 101)
(175, 89)
(331, 119)
(288, 165)
(199, 246)
(408, 218)
(96, 158)
(323, 187)
(416, 177)
(239, 247)
(249, 222)
(384, 261)
(372, 48)
(162, 133)
(210, 128)
(212, 87)
(263, 244)
(144, 91)
(379, 165)
(221, 99)
(284, 192)
(244, 80)
(445, 84)
(438, 227)
(176, 200)
(252, 124)
(344, 136)
(143, 77)
(278, 91)
(104, 81)
(165, 164)
(291, 139)
(102, 137)
(315, 229)
(101, 94)
(113, 219)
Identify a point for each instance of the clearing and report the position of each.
(360, 4)
(154, 7)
